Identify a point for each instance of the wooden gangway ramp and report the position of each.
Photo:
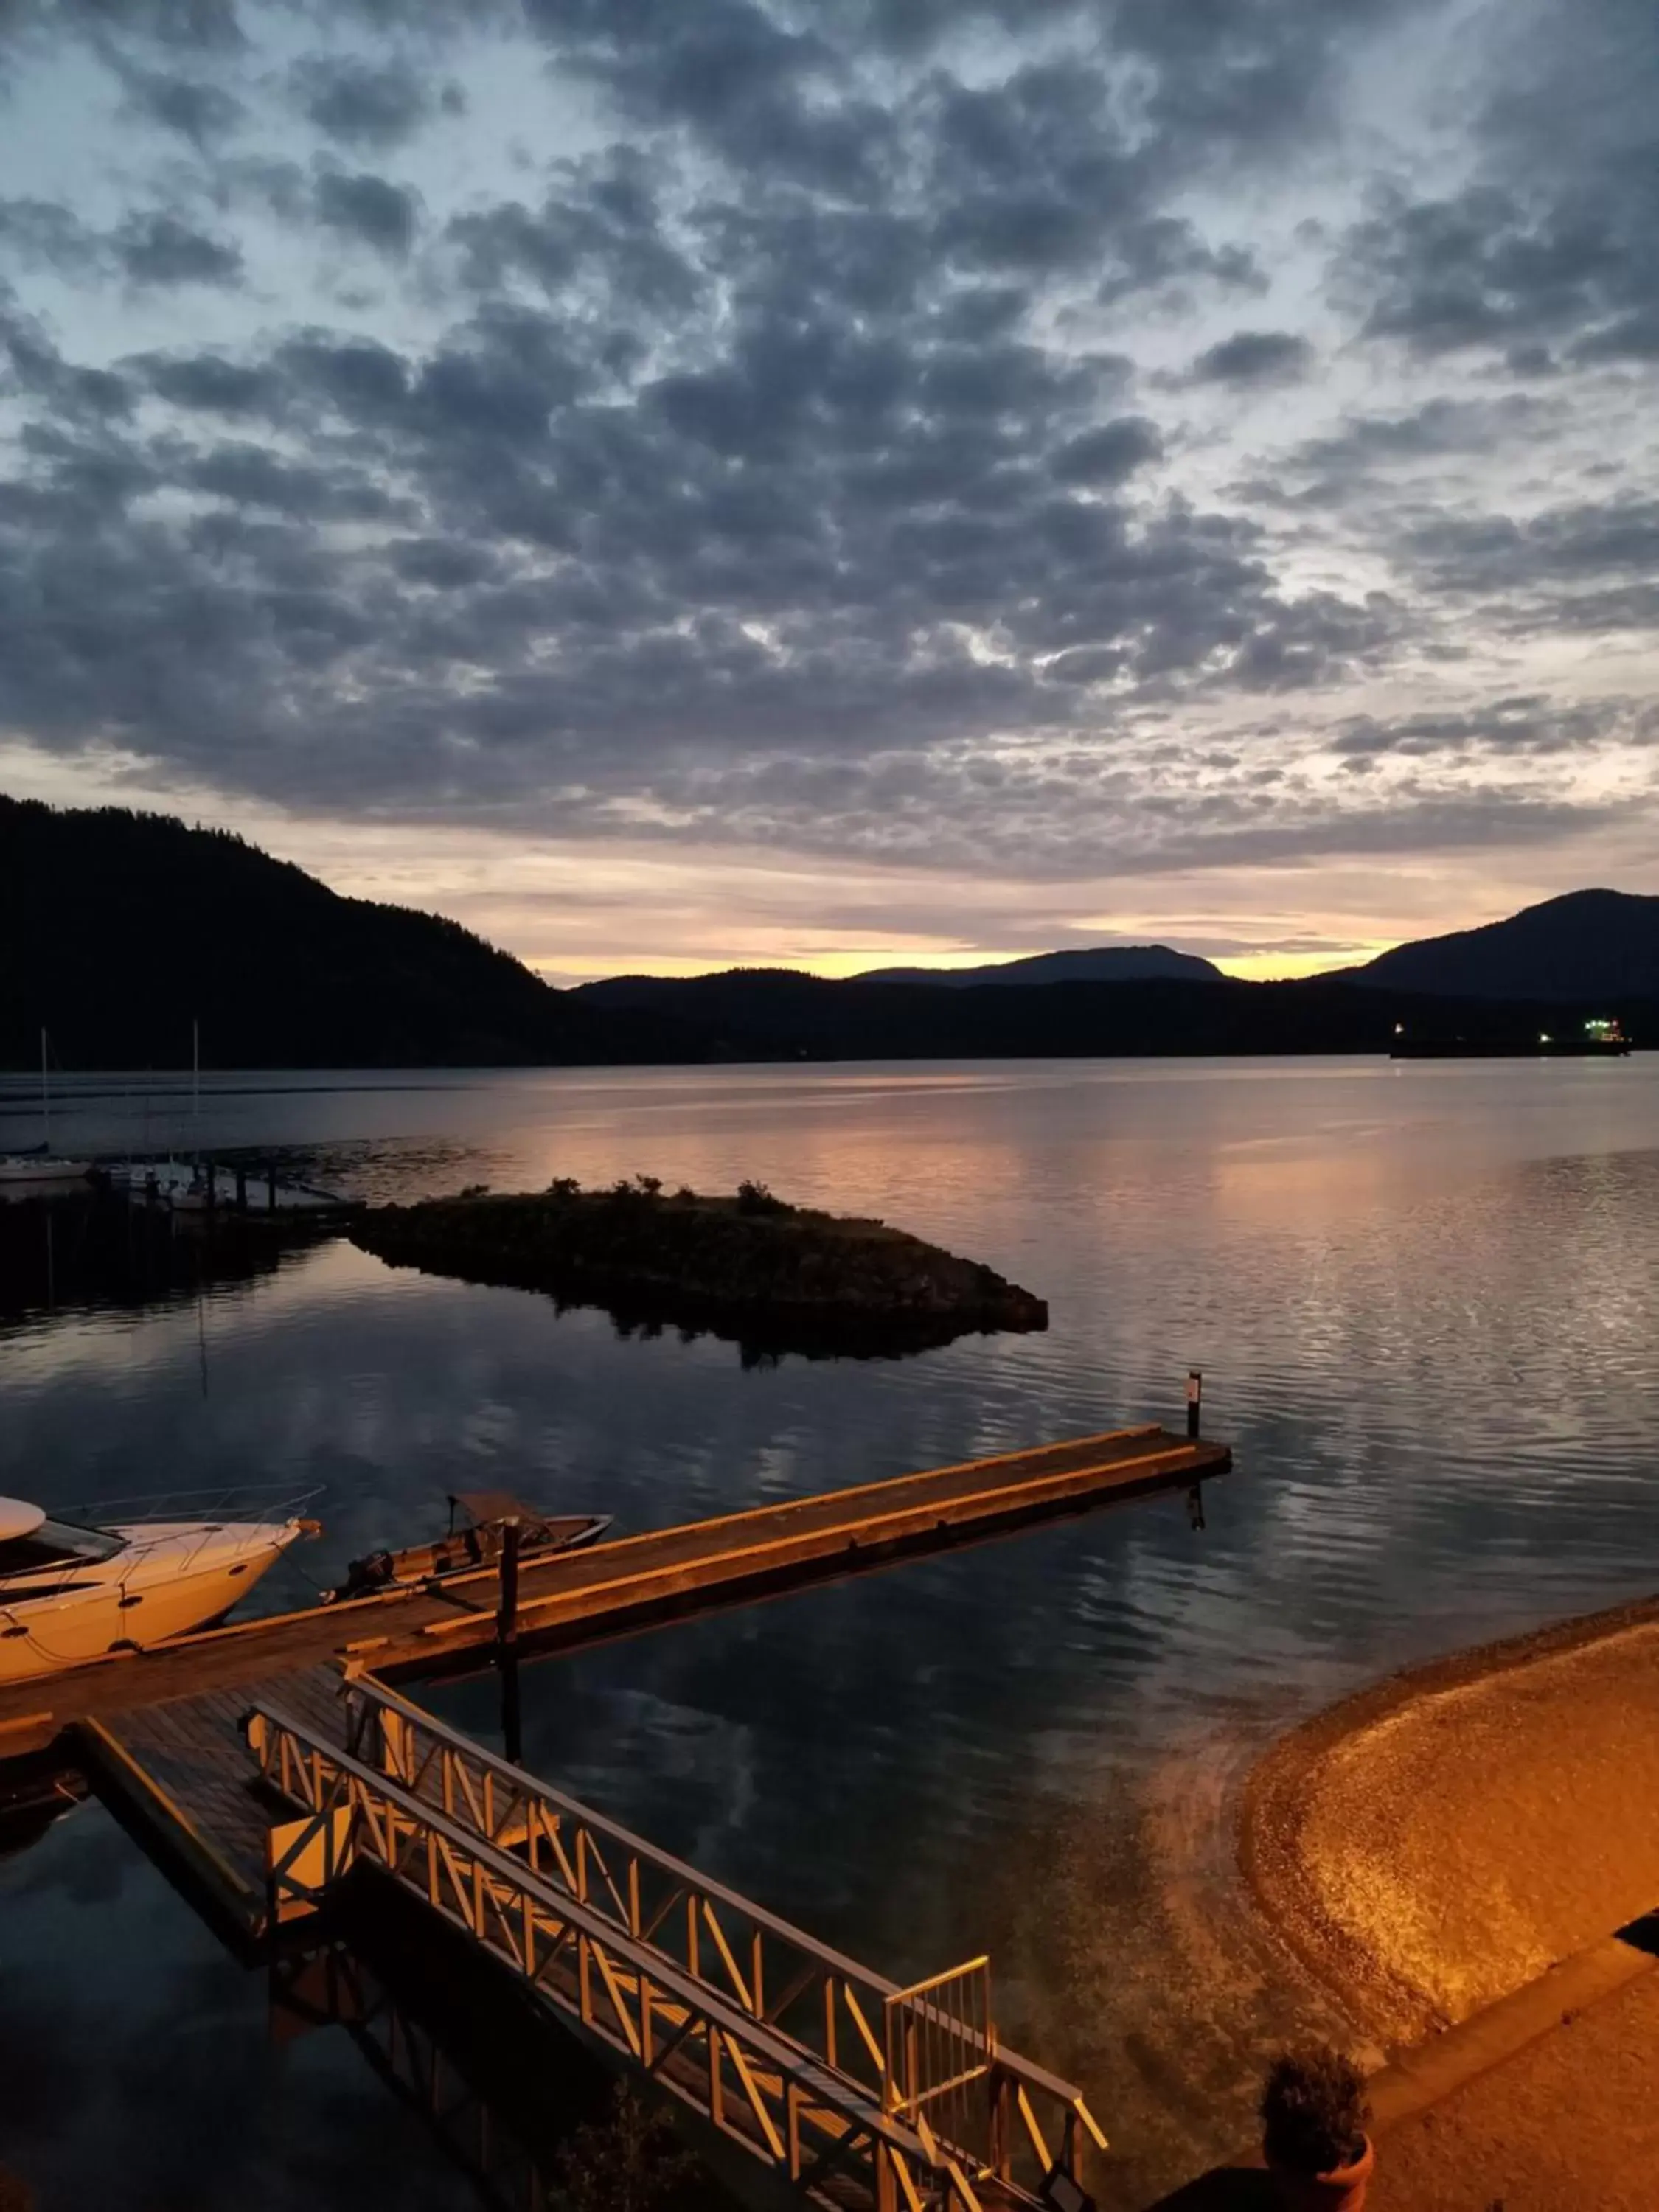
(865, 2096)
(585, 1596)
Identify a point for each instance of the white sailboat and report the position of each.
(72, 1591)
(185, 1186)
(42, 1164)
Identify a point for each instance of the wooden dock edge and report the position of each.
(788, 1562)
(616, 1588)
(366, 1610)
(164, 1822)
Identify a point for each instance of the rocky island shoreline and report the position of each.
(773, 1277)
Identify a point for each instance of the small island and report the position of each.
(774, 1277)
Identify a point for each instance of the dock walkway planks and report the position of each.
(584, 1596)
(183, 1770)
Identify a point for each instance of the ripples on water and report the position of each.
(1423, 1297)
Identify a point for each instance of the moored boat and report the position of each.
(39, 1163)
(478, 1521)
(27, 1169)
(72, 1591)
(181, 1186)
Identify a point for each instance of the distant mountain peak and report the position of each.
(1099, 964)
(1580, 945)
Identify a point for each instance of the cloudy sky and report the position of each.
(679, 482)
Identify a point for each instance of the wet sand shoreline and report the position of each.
(1436, 1840)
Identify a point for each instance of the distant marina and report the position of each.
(1601, 1037)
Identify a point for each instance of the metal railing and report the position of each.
(750, 2080)
(241, 1501)
(992, 2110)
(941, 2049)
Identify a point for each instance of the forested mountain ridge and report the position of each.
(118, 929)
(779, 1014)
(1097, 964)
(1583, 946)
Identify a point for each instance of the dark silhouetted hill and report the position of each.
(1585, 946)
(1100, 964)
(118, 928)
(778, 1014)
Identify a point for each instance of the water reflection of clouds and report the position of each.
(1441, 1406)
(89, 1344)
(139, 2066)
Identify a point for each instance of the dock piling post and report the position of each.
(507, 1619)
(1194, 1399)
(241, 1187)
(506, 1663)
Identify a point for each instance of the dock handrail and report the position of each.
(726, 1941)
(751, 2079)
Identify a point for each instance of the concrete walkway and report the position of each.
(1546, 2102)
(1571, 2123)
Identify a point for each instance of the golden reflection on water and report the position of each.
(1423, 1301)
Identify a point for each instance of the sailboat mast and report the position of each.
(196, 1085)
(45, 1093)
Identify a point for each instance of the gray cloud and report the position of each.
(1595, 564)
(647, 543)
(34, 368)
(148, 247)
(1438, 428)
(362, 104)
(1196, 84)
(194, 108)
(1255, 358)
(1552, 248)
(368, 208)
(1371, 464)
(602, 226)
(782, 468)
(192, 25)
(1524, 726)
(1111, 454)
(40, 234)
(207, 382)
(159, 248)
(252, 475)
(225, 28)
(1518, 270)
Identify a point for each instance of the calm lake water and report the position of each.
(1423, 1297)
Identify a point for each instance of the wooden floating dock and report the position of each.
(180, 1772)
(274, 1774)
(585, 1596)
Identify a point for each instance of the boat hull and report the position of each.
(24, 1171)
(173, 1580)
